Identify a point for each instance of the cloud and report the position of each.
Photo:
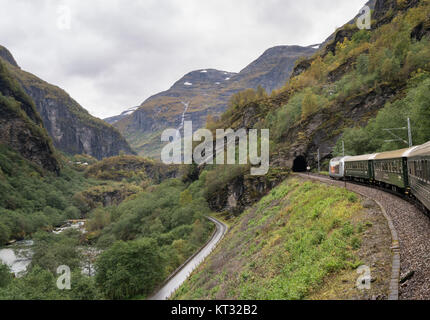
(118, 53)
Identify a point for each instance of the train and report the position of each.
(404, 171)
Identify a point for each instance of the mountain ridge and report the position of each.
(71, 127)
(208, 92)
(21, 127)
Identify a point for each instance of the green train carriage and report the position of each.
(359, 168)
(391, 169)
(419, 173)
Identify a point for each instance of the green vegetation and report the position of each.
(169, 218)
(18, 100)
(146, 222)
(32, 199)
(131, 169)
(14, 103)
(372, 137)
(39, 283)
(284, 247)
(156, 227)
(386, 61)
(129, 268)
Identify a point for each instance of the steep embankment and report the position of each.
(21, 127)
(72, 129)
(202, 93)
(302, 241)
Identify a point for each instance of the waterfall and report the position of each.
(186, 106)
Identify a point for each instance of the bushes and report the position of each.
(5, 275)
(218, 178)
(132, 169)
(285, 117)
(372, 138)
(51, 251)
(170, 220)
(31, 199)
(129, 268)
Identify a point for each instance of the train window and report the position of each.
(416, 168)
(426, 171)
(420, 171)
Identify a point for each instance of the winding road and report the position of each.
(182, 274)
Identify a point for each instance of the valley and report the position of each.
(198, 229)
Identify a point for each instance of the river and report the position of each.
(18, 255)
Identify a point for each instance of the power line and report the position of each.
(398, 138)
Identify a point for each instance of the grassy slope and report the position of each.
(286, 247)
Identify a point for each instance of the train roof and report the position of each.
(365, 157)
(338, 158)
(394, 154)
(420, 150)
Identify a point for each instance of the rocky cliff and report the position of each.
(201, 93)
(72, 129)
(21, 128)
(330, 74)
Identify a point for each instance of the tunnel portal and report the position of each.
(300, 164)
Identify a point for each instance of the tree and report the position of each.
(185, 198)
(83, 287)
(5, 233)
(5, 275)
(72, 212)
(129, 268)
(363, 64)
(309, 104)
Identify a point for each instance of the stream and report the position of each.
(18, 256)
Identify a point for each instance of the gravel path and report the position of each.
(413, 228)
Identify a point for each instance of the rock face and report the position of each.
(242, 192)
(21, 128)
(273, 68)
(206, 92)
(323, 129)
(72, 129)
(7, 56)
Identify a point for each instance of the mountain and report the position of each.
(201, 93)
(351, 79)
(112, 120)
(72, 129)
(370, 4)
(21, 127)
(273, 68)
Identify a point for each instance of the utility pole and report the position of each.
(319, 168)
(343, 147)
(397, 138)
(410, 133)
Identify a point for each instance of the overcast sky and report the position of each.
(116, 53)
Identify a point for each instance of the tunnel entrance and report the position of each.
(300, 164)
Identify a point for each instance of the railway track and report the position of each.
(413, 230)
